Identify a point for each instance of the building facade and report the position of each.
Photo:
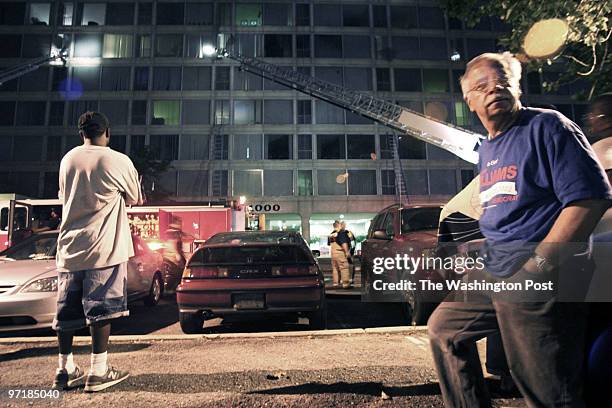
(299, 161)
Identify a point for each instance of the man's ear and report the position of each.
(467, 102)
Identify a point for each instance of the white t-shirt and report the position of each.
(95, 184)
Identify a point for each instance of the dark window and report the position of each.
(56, 114)
(277, 45)
(403, 17)
(358, 78)
(406, 48)
(416, 182)
(356, 46)
(362, 182)
(223, 14)
(222, 112)
(194, 147)
(36, 46)
(454, 23)
(120, 14)
(327, 15)
(35, 81)
(12, 13)
(434, 48)
(139, 112)
(278, 112)
(304, 112)
(442, 182)
(137, 144)
(327, 113)
(220, 147)
(117, 143)
(388, 182)
(169, 45)
(278, 183)
(533, 83)
(11, 46)
(246, 81)
(355, 15)
(435, 80)
(31, 113)
(477, 46)
(115, 78)
(383, 79)
(54, 148)
(333, 75)
(199, 14)
(116, 111)
(27, 148)
(193, 183)
(466, 177)
(302, 14)
(196, 112)
(166, 146)
(328, 46)
(196, 78)
(379, 14)
(170, 13)
(167, 78)
(86, 78)
(431, 17)
(304, 147)
(277, 14)
(330, 147)
(360, 146)
(59, 79)
(141, 78)
(278, 147)
(411, 148)
(302, 46)
(483, 25)
(222, 79)
(145, 13)
(219, 183)
(407, 80)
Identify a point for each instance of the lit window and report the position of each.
(462, 114)
(65, 13)
(222, 112)
(248, 147)
(165, 113)
(39, 13)
(247, 112)
(248, 15)
(92, 13)
(118, 46)
(143, 45)
(88, 45)
(304, 182)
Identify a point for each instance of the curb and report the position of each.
(178, 337)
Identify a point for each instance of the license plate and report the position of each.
(249, 301)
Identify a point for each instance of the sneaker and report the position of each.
(111, 377)
(64, 381)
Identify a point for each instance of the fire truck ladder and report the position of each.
(400, 184)
(460, 142)
(22, 69)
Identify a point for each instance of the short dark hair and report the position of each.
(603, 104)
(93, 124)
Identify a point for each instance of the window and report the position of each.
(117, 143)
(222, 78)
(118, 46)
(196, 78)
(165, 113)
(145, 13)
(356, 46)
(330, 147)
(196, 112)
(305, 147)
(304, 112)
(193, 183)
(302, 46)
(245, 81)
(383, 79)
(302, 14)
(75, 110)
(65, 12)
(248, 147)
(407, 80)
(166, 78)
(328, 46)
(115, 78)
(328, 113)
(199, 14)
(362, 182)
(195, 42)
(433, 48)
(54, 148)
(137, 144)
(477, 46)
(440, 110)
(403, 17)
(56, 114)
(12, 13)
(247, 112)
(92, 13)
(454, 24)
(411, 148)
(31, 113)
(406, 47)
(416, 182)
(141, 78)
(379, 14)
(219, 183)
(143, 45)
(139, 112)
(116, 111)
(219, 148)
(436, 153)
(330, 74)
(36, 46)
(170, 13)
(462, 114)
(388, 182)
(304, 182)
(59, 79)
(278, 147)
(360, 146)
(278, 183)
(248, 183)
(327, 15)
(271, 85)
(277, 14)
(442, 182)
(120, 14)
(466, 177)
(355, 15)
(39, 13)
(277, 45)
(88, 45)
(194, 147)
(358, 78)
(169, 45)
(167, 183)
(248, 15)
(11, 46)
(431, 17)
(222, 112)
(166, 146)
(278, 112)
(435, 80)
(326, 179)
(86, 78)
(533, 83)
(35, 81)
(223, 14)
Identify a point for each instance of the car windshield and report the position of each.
(37, 247)
(254, 237)
(420, 219)
(277, 254)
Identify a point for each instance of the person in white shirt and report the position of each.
(94, 244)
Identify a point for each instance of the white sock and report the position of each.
(98, 364)
(66, 362)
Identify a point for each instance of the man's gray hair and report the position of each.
(509, 63)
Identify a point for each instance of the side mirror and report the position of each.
(381, 234)
(316, 253)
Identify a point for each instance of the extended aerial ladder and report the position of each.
(25, 68)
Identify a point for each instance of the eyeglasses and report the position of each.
(483, 86)
(590, 116)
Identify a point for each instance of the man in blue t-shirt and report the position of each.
(542, 192)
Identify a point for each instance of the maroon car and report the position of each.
(251, 273)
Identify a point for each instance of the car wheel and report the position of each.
(155, 292)
(191, 323)
(318, 320)
(416, 310)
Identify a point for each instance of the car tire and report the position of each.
(318, 320)
(155, 292)
(416, 310)
(191, 323)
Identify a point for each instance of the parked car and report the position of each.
(28, 281)
(251, 273)
(412, 230)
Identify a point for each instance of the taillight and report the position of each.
(298, 270)
(205, 272)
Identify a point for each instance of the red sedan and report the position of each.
(251, 273)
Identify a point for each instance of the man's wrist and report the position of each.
(541, 263)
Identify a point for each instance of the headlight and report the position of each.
(41, 285)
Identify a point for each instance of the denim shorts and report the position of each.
(88, 296)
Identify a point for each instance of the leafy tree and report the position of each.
(586, 55)
(151, 168)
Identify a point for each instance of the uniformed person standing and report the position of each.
(339, 242)
(352, 245)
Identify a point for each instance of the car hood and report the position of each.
(17, 273)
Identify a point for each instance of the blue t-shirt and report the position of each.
(528, 174)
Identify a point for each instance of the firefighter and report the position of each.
(352, 245)
(339, 242)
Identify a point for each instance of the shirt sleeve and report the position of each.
(576, 173)
(133, 192)
(343, 238)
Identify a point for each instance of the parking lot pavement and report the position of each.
(387, 370)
